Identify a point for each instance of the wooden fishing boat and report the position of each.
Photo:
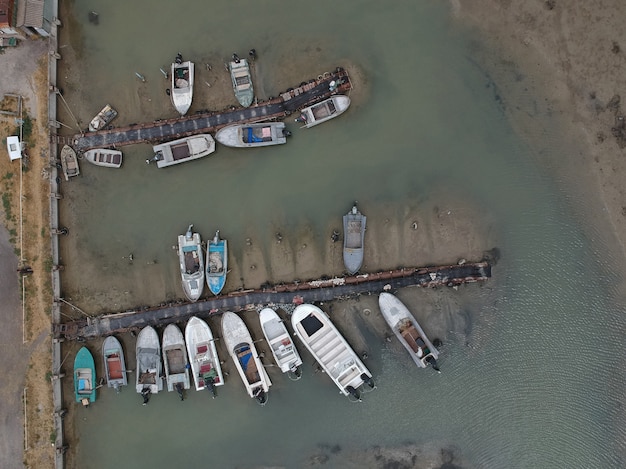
(205, 364)
(69, 162)
(191, 264)
(252, 135)
(242, 80)
(114, 364)
(103, 118)
(148, 351)
(408, 331)
(104, 157)
(323, 111)
(217, 264)
(84, 377)
(245, 357)
(175, 360)
(320, 336)
(353, 238)
(182, 150)
(182, 84)
(280, 343)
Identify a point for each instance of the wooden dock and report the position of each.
(285, 104)
(285, 295)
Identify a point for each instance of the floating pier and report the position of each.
(208, 122)
(283, 294)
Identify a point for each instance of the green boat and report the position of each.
(84, 377)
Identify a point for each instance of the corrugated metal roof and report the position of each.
(33, 13)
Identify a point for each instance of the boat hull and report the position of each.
(181, 91)
(191, 260)
(400, 319)
(148, 352)
(322, 339)
(114, 363)
(354, 223)
(252, 135)
(103, 118)
(175, 358)
(203, 358)
(69, 162)
(84, 377)
(283, 349)
(104, 157)
(324, 110)
(244, 354)
(183, 150)
(217, 264)
(242, 82)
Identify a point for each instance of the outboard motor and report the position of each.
(208, 384)
(179, 58)
(252, 54)
(354, 393)
(301, 119)
(179, 390)
(260, 396)
(236, 58)
(432, 362)
(145, 393)
(368, 380)
(286, 133)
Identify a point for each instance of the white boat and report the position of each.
(217, 264)
(278, 339)
(242, 80)
(408, 331)
(241, 348)
(191, 264)
(182, 84)
(320, 336)
(148, 351)
(323, 111)
(69, 162)
(114, 364)
(353, 238)
(104, 157)
(205, 364)
(182, 150)
(175, 360)
(103, 118)
(252, 135)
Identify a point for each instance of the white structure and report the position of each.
(15, 148)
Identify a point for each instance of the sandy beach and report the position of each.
(569, 58)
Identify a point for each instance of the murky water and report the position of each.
(532, 371)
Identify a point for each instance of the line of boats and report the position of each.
(176, 361)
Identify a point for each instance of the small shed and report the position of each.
(15, 149)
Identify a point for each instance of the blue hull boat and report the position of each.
(217, 264)
(84, 377)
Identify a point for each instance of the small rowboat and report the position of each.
(104, 157)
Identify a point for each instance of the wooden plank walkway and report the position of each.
(208, 122)
(287, 296)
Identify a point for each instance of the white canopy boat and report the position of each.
(69, 162)
(205, 364)
(408, 331)
(217, 264)
(148, 351)
(353, 238)
(323, 111)
(278, 338)
(182, 150)
(320, 336)
(103, 118)
(175, 360)
(252, 135)
(182, 84)
(242, 80)
(114, 364)
(104, 157)
(245, 357)
(191, 264)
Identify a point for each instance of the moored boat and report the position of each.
(103, 118)
(217, 264)
(191, 264)
(84, 377)
(205, 363)
(148, 372)
(69, 162)
(114, 363)
(182, 84)
(245, 357)
(353, 238)
(324, 110)
(408, 331)
(242, 80)
(182, 150)
(175, 360)
(320, 336)
(252, 135)
(104, 157)
(280, 343)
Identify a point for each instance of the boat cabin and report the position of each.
(413, 339)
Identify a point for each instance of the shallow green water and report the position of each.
(527, 387)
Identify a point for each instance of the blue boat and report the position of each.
(84, 377)
(217, 264)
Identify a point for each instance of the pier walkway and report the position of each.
(208, 122)
(291, 294)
